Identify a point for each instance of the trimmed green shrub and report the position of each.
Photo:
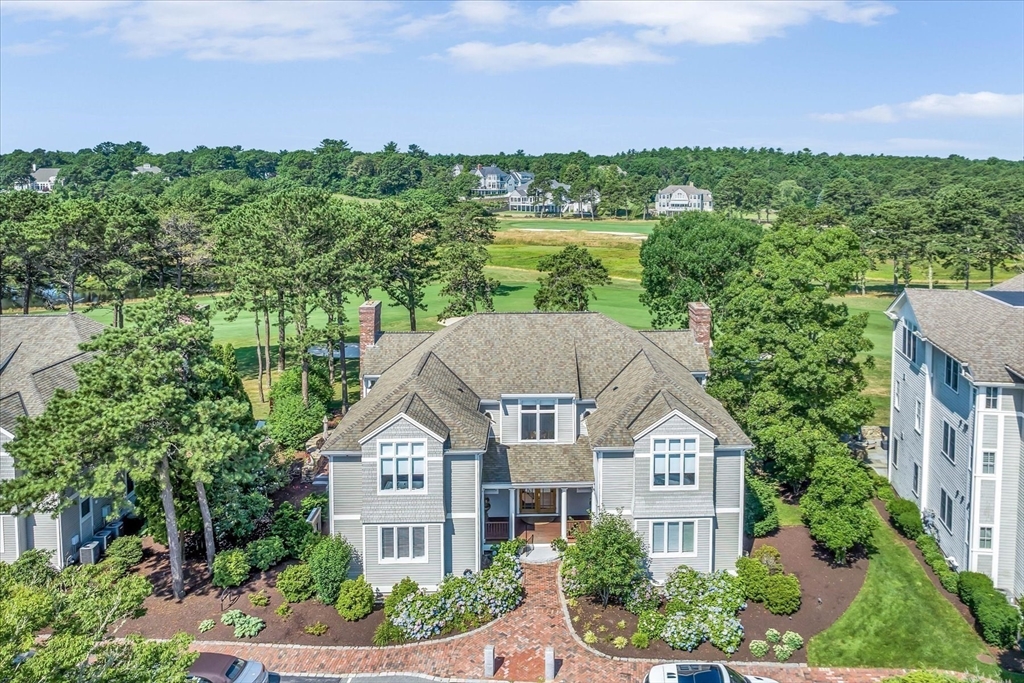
(998, 620)
(770, 557)
(759, 648)
(291, 423)
(290, 526)
(971, 586)
(753, 575)
(33, 568)
(260, 599)
(388, 634)
(355, 599)
(284, 610)
(398, 592)
(313, 500)
(316, 629)
(640, 640)
(782, 593)
(783, 652)
(933, 555)
(772, 635)
(296, 583)
(266, 552)
(124, 553)
(230, 568)
(792, 640)
(905, 517)
(328, 565)
(760, 516)
(834, 507)
(652, 623)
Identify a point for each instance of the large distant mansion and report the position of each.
(676, 199)
(40, 180)
(956, 446)
(522, 424)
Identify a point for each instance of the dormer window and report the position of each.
(537, 419)
(674, 463)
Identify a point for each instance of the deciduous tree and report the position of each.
(569, 280)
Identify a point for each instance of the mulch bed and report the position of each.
(166, 616)
(1011, 660)
(827, 590)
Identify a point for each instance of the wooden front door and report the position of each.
(537, 501)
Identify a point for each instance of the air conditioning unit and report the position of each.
(105, 537)
(116, 527)
(953, 564)
(90, 553)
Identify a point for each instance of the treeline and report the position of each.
(741, 179)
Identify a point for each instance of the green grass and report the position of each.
(524, 250)
(899, 619)
(879, 333)
(520, 222)
(789, 514)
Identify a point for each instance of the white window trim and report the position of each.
(946, 374)
(981, 465)
(950, 456)
(915, 484)
(650, 532)
(405, 560)
(894, 456)
(913, 338)
(409, 491)
(682, 465)
(918, 415)
(896, 395)
(991, 537)
(998, 396)
(537, 401)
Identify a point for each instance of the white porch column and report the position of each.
(565, 515)
(511, 514)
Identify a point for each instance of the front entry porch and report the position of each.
(537, 514)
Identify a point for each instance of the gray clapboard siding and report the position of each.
(461, 488)
(911, 443)
(616, 481)
(987, 501)
(728, 479)
(1018, 582)
(726, 540)
(985, 564)
(990, 432)
(1010, 544)
(6, 466)
(565, 416)
(347, 485)
(509, 420)
(352, 531)
(661, 567)
(460, 548)
(70, 526)
(9, 528)
(384, 575)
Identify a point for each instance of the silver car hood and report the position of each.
(254, 672)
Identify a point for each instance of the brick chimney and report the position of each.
(700, 323)
(369, 327)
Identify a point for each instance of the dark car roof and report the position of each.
(211, 665)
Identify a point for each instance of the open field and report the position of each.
(512, 221)
(521, 249)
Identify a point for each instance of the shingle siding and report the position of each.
(661, 567)
(403, 506)
(384, 575)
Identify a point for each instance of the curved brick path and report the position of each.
(519, 640)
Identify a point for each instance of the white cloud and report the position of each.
(494, 14)
(712, 23)
(962, 105)
(33, 49)
(244, 30)
(605, 51)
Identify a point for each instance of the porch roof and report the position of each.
(539, 463)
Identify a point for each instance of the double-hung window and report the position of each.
(909, 343)
(952, 377)
(672, 538)
(992, 398)
(918, 415)
(896, 394)
(949, 441)
(403, 466)
(537, 420)
(988, 462)
(946, 509)
(674, 462)
(917, 479)
(403, 543)
(895, 454)
(985, 538)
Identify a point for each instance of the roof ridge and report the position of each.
(60, 362)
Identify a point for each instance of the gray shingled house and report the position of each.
(37, 353)
(521, 424)
(676, 199)
(956, 446)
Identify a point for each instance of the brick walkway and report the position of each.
(519, 640)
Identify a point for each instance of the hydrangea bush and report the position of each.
(464, 601)
(703, 607)
(642, 597)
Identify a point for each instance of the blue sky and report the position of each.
(475, 77)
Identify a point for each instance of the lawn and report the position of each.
(521, 222)
(789, 514)
(899, 619)
(519, 249)
(879, 332)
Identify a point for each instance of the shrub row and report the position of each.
(760, 516)
(997, 619)
(463, 602)
(929, 548)
(905, 517)
(779, 592)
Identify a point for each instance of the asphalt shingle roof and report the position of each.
(983, 333)
(488, 355)
(37, 353)
(538, 464)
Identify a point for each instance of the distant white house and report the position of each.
(676, 199)
(43, 180)
(147, 168)
(556, 201)
(495, 182)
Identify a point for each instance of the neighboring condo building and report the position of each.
(37, 356)
(521, 424)
(676, 199)
(957, 412)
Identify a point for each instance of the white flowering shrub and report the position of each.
(703, 607)
(463, 602)
(642, 597)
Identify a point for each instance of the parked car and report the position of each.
(699, 672)
(212, 667)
